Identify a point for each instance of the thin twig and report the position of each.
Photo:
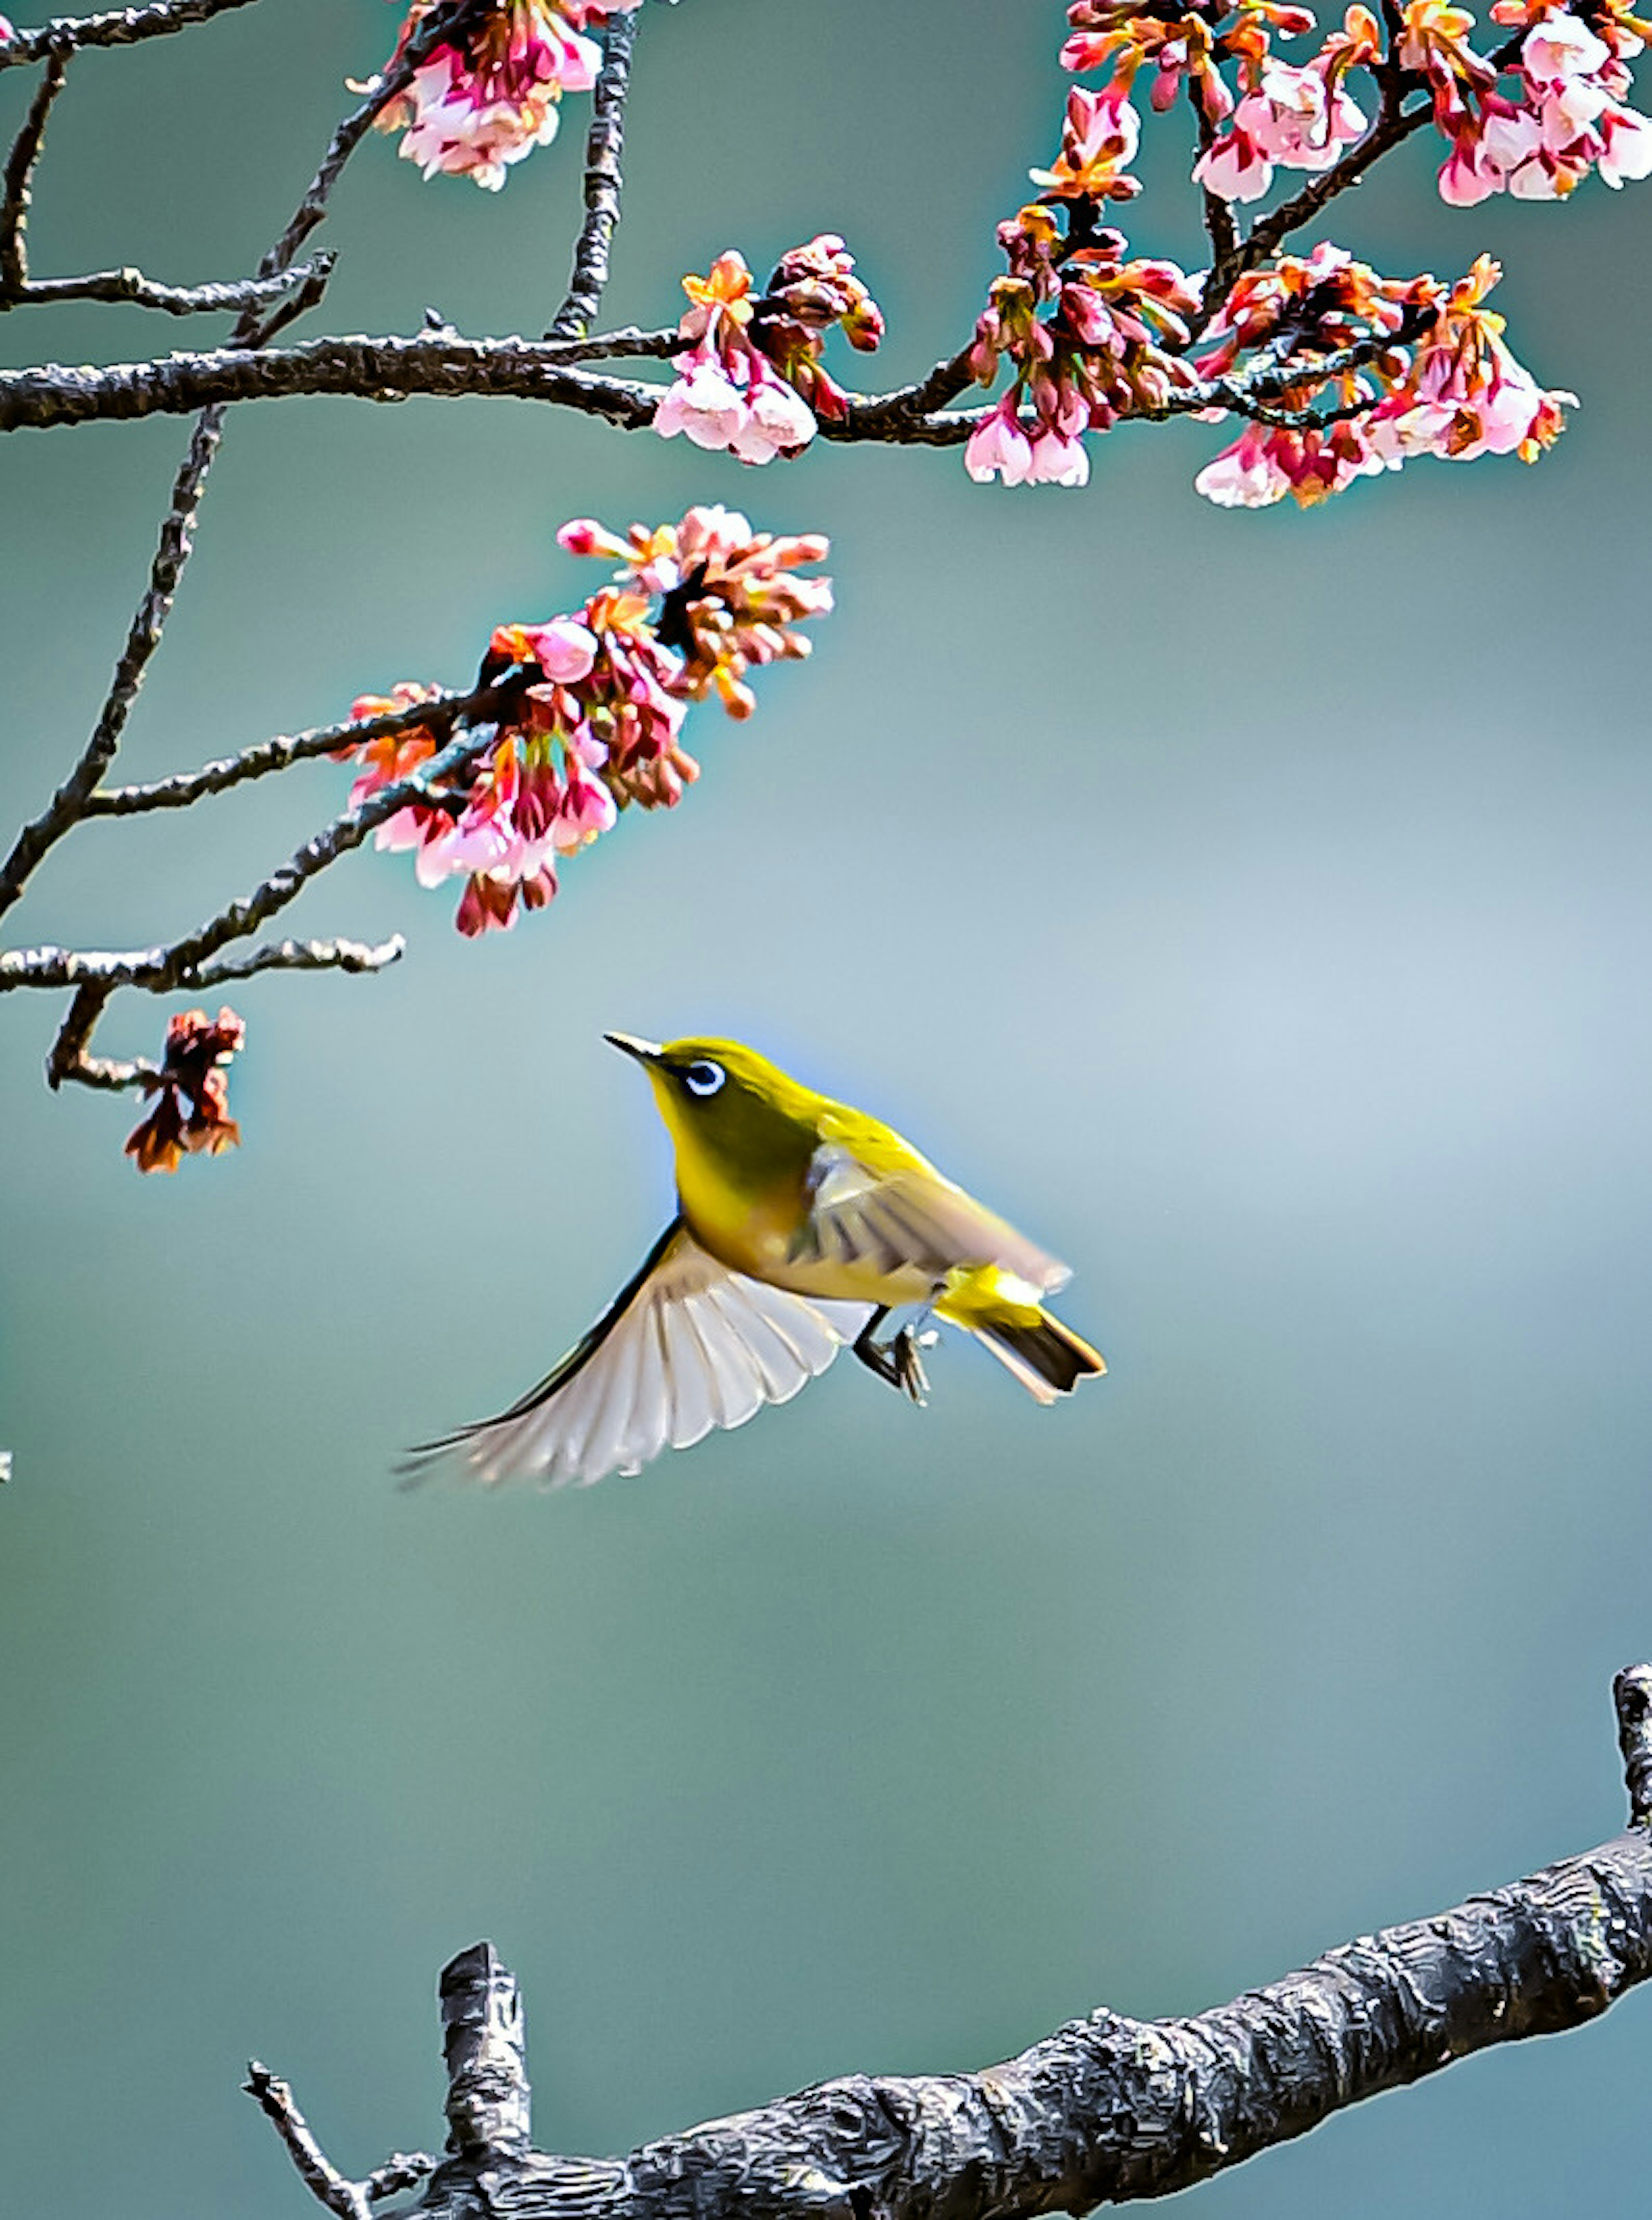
(20, 174)
(183, 964)
(98, 972)
(352, 955)
(439, 713)
(129, 285)
(604, 146)
(345, 832)
(118, 27)
(315, 2170)
(312, 209)
(350, 2199)
(176, 534)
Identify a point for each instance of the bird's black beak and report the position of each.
(645, 1051)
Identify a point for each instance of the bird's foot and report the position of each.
(899, 1361)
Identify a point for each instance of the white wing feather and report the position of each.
(687, 1346)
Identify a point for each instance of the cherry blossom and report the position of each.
(476, 109)
(752, 381)
(1454, 390)
(597, 705)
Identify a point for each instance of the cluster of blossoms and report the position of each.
(475, 108)
(190, 1115)
(597, 716)
(750, 380)
(1455, 391)
(1294, 116)
(1565, 115)
(1084, 329)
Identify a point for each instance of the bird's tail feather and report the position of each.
(1048, 1358)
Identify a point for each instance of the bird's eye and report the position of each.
(704, 1077)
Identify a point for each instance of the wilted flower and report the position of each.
(191, 1114)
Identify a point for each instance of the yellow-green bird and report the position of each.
(800, 1224)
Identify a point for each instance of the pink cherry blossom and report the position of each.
(998, 447)
(476, 107)
(1291, 118)
(593, 706)
(564, 649)
(1058, 459)
(704, 404)
(1234, 167)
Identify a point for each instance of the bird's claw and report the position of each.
(897, 1360)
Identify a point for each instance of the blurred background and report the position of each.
(1254, 907)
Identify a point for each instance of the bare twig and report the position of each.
(604, 146)
(438, 714)
(351, 2200)
(20, 174)
(348, 830)
(1108, 2109)
(117, 27)
(130, 286)
(177, 533)
(183, 964)
(312, 209)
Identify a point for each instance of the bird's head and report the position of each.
(726, 1104)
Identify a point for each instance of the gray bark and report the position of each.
(1104, 2110)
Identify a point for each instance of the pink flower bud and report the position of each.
(564, 649)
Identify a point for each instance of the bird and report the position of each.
(802, 1224)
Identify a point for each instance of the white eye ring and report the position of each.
(704, 1078)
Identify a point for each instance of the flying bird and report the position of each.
(800, 1224)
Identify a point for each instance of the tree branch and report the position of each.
(351, 2200)
(438, 365)
(1105, 2109)
(439, 713)
(118, 27)
(177, 533)
(20, 174)
(604, 146)
(129, 285)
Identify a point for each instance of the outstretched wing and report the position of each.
(904, 1215)
(686, 1345)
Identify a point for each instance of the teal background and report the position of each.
(1254, 907)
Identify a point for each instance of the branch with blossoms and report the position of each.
(1334, 370)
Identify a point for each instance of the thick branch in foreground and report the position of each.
(1105, 2109)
